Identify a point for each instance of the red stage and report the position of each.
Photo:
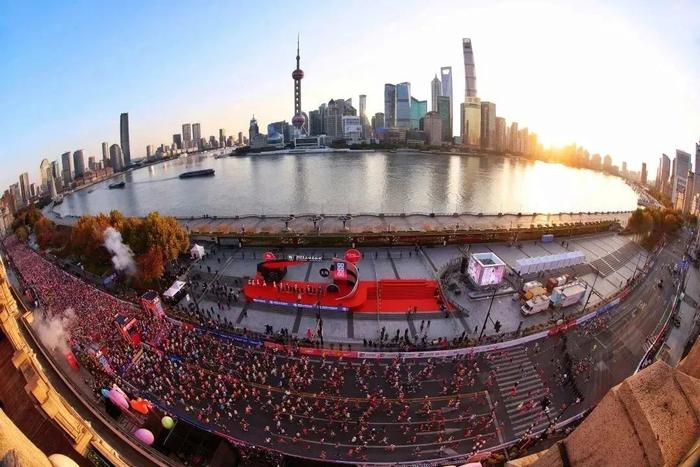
(343, 291)
(383, 296)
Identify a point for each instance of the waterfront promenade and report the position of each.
(615, 257)
(373, 223)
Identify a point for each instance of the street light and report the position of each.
(592, 288)
(488, 313)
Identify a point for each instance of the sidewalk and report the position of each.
(688, 314)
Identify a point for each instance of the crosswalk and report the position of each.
(514, 365)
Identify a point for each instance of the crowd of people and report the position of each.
(320, 407)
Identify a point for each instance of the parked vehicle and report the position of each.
(535, 305)
(534, 292)
(567, 295)
(532, 284)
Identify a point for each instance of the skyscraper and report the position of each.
(446, 81)
(105, 154)
(513, 138)
(92, 165)
(435, 91)
(403, 105)
(79, 163)
(177, 140)
(469, 69)
(67, 165)
(315, 123)
(488, 125)
(298, 120)
(500, 134)
(418, 111)
(389, 106)
(124, 138)
(364, 121)
(335, 111)
(432, 125)
(253, 130)
(24, 187)
(643, 176)
(222, 137)
(444, 109)
(663, 172)
(681, 167)
(45, 173)
(240, 138)
(197, 135)
(116, 158)
(187, 135)
(378, 122)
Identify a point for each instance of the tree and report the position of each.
(166, 233)
(44, 229)
(150, 264)
(22, 233)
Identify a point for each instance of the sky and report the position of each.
(619, 78)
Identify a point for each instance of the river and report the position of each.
(361, 182)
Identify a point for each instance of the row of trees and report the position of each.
(154, 240)
(649, 225)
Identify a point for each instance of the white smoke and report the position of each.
(53, 330)
(122, 256)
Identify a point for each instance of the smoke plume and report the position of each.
(53, 330)
(122, 256)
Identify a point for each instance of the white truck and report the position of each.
(535, 305)
(568, 294)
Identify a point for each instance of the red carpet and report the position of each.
(384, 296)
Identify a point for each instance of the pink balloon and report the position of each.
(118, 399)
(144, 435)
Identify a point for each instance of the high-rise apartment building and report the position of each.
(389, 105)
(488, 125)
(92, 165)
(124, 138)
(79, 163)
(444, 110)
(187, 135)
(435, 92)
(403, 105)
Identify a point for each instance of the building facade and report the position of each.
(435, 92)
(389, 106)
(444, 110)
(187, 135)
(500, 134)
(197, 136)
(469, 70)
(488, 125)
(67, 166)
(432, 126)
(124, 138)
(471, 133)
(418, 111)
(116, 158)
(79, 163)
(403, 105)
(680, 169)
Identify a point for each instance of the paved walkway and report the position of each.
(234, 266)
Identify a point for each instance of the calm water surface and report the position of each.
(355, 183)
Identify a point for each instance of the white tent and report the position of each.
(197, 252)
(549, 262)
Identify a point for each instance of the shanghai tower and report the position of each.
(469, 71)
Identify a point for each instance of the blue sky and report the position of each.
(619, 78)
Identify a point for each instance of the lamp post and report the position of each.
(488, 313)
(592, 288)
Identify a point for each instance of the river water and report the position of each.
(354, 183)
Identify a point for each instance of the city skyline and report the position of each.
(157, 109)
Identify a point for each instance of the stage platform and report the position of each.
(382, 296)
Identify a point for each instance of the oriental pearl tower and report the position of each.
(299, 121)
